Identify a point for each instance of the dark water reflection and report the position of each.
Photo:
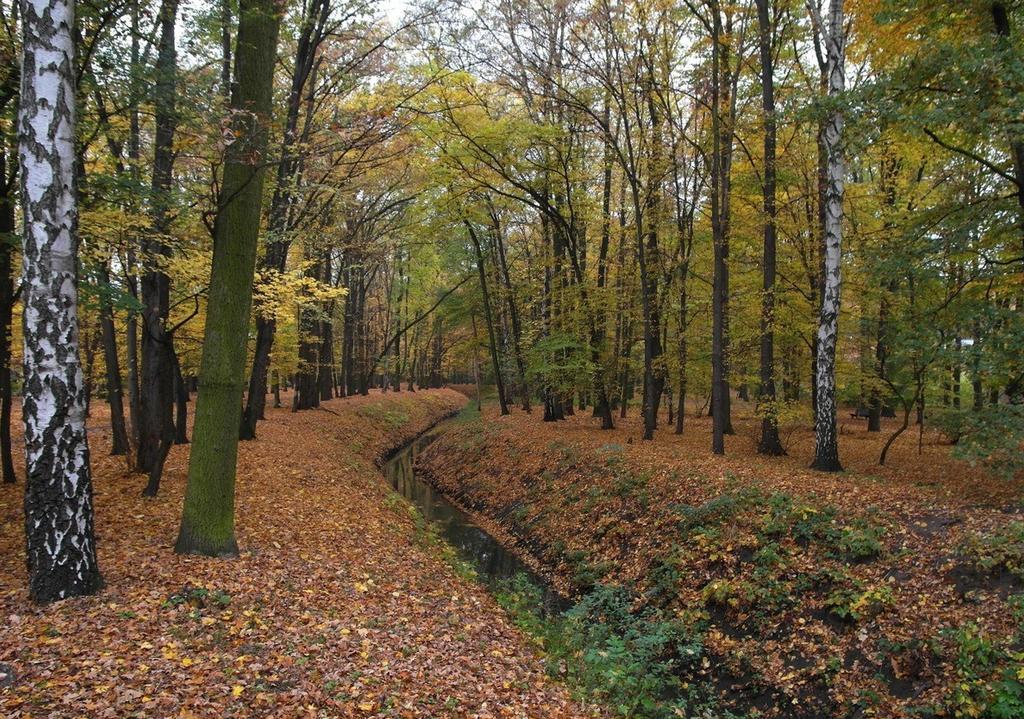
(492, 562)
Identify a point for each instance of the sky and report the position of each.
(392, 9)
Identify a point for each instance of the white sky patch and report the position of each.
(393, 10)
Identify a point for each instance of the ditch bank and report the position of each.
(702, 590)
(334, 606)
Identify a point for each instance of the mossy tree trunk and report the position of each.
(208, 518)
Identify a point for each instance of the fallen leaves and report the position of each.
(332, 608)
(579, 502)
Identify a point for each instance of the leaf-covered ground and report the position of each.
(882, 591)
(335, 608)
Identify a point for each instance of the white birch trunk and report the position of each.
(61, 549)
(826, 450)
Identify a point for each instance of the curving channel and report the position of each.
(491, 560)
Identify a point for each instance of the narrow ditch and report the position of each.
(493, 562)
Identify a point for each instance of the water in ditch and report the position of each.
(493, 563)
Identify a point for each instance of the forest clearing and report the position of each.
(512, 358)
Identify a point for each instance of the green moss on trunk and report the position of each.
(207, 523)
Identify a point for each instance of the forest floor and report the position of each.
(340, 604)
(880, 591)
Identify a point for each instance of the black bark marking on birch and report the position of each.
(60, 540)
(826, 449)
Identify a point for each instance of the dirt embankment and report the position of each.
(860, 594)
(336, 607)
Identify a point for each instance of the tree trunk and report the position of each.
(225, 50)
(524, 388)
(208, 518)
(325, 370)
(7, 300)
(720, 290)
(156, 391)
(134, 149)
(648, 256)
(276, 256)
(131, 341)
(488, 318)
(826, 449)
(180, 404)
(115, 395)
(1001, 19)
(325, 373)
(476, 366)
(769, 443)
(307, 390)
(881, 355)
(60, 540)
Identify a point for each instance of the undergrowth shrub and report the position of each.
(852, 602)
(384, 413)
(992, 436)
(716, 511)
(804, 521)
(633, 661)
(989, 676)
(997, 552)
(761, 593)
(860, 541)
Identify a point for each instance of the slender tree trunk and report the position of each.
(1001, 19)
(881, 355)
(895, 435)
(208, 518)
(60, 540)
(476, 367)
(180, 404)
(115, 398)
(225, 50)
(826, 449)
(7, 299)
(649, 258)
(769, 443)
(364, 374)
(888, 170)
(488, 318)
(325, 369)
(720, 290)
(325, 373)
(681, 351)
(957, 374)
(156, 396)
(626, 380)
(276, 256)
(134, 145)
(307, 391)
(524, 388)
(131, 341)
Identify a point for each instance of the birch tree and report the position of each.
(60, 543)
(826, 445)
